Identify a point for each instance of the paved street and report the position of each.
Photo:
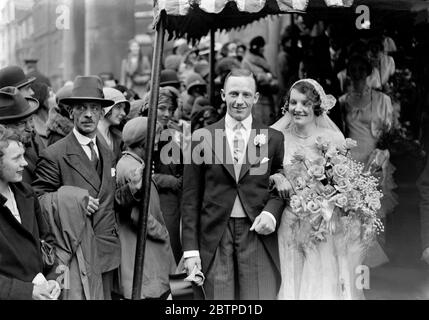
(405, 276)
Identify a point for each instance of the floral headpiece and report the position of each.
(327, 100)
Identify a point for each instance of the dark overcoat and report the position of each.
(65, 163)
(20, 252)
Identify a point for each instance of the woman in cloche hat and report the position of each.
(109, 125)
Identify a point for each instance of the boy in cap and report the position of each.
(159, 260)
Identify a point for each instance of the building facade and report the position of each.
(74, 37)
(71, 37)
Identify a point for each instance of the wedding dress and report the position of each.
(322, 271)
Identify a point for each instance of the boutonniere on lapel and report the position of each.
(260, 140)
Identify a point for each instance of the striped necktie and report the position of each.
(238, 142)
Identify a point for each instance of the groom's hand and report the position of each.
(263, 224)
(190, 263)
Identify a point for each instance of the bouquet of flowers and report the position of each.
(333, 190)
(399, 141)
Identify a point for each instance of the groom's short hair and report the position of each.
(240, 73)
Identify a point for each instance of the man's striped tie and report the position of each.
(238, 142)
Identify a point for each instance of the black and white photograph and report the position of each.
(229, 151)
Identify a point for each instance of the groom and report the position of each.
(229, 215)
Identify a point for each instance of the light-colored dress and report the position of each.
(359, 127)
(324, 271)
(365, 124)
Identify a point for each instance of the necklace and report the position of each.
(299, 135)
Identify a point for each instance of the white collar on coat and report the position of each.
(83, 140)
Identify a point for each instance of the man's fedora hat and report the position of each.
(14, 106)
(87, 89)
(13, 76)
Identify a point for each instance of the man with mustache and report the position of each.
(81, 160)
(229, 214)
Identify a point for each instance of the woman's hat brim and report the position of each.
(104, 102)
(121, 101)
(34, 105)
(127, 106)
(169, 83)
(196, 85)
(26, 82)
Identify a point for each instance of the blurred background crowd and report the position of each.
(388, 63)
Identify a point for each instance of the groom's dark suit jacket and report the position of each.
(210, 188)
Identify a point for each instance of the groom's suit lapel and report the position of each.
(225, 158)
(249, 161)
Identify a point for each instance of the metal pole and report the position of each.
(212, 60)
(292, 27)
(147, 175)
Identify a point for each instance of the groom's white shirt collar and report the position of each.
(230, 122)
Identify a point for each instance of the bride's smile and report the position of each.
(298, 115)
(301, 108)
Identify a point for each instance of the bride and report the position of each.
(311, 271)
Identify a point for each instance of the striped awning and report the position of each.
(193, 19)
(182, 7)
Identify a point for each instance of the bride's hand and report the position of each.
(284, 189)
(282, 185)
